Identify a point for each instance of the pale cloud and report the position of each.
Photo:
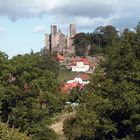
(2, 29)
(15, 9)
(22, 8)
(86, 13)
(39, 29)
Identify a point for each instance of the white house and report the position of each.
(80, 67)
(81, 79)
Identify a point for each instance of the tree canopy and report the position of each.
(29, 91)
(96, 42)
(110, 108)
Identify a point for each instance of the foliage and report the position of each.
(7, 133)
(45, 134)
(29, 91)
(96, 42)
(111, 109)
(81, 41)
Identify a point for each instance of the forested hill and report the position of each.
(107, 109)
(29, 92)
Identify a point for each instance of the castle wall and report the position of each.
(47, 41)
(59, 42)
(72, 30)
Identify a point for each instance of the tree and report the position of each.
(29, 93)
(111, 108)
(103, 37)
(81, 43)
(7, 133)
(96, 42)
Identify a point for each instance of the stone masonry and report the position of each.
(56, 41)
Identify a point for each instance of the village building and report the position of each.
(82, 65)
(60, 58)
(84, 77)
(67, 87)
(79, 81)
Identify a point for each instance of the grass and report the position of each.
(67, 75)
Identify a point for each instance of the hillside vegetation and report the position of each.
(107, 109)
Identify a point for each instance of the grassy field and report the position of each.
(66, 75)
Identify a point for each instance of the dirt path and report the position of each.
(57, 126)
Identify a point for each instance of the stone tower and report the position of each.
(72, 30)
(56, 41)
(47, 41)
(53, 29)
(53, 35)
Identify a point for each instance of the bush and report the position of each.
(7, 133)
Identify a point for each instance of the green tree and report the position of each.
(81, 43)
(111, 108)
(29, 93)
(96, 42)
(7, 133)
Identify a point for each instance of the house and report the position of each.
(79, 81)
(82, 79)
(81, 65)
(85, 78)
(60, 58)
(67, 87)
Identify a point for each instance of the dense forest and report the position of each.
(29, 92)
(109, 107)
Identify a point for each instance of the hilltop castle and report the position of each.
(56, 41)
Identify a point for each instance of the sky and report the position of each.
(23, 23)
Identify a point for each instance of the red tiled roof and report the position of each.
(84, 60)
(84, 76)
(71, 85)
(60, 57)
(68, 86)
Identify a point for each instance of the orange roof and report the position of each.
(71, 85)
(84, 60)
(60, 57)
(66, 87)
(84, 76)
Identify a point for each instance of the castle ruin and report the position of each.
(56, 41)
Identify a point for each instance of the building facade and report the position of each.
(56, 41)
(72, 30)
